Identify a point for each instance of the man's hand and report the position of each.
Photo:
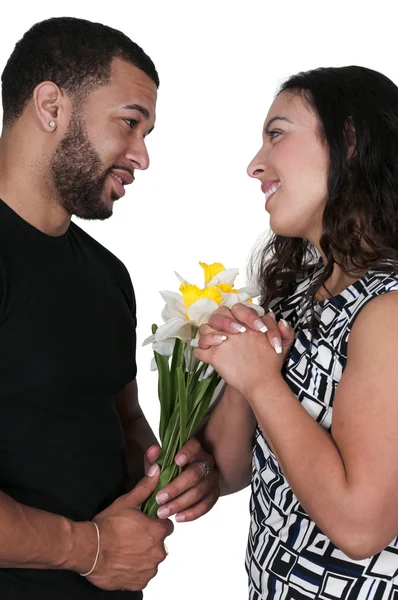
(193, 493)
(132, 544)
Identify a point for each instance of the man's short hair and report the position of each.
(73, 53)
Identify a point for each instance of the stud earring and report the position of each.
(52, 123)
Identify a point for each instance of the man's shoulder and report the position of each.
(102, 255)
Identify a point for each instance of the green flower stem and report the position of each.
(184, 402)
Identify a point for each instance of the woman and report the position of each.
(318, 392)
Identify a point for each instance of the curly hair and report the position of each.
(357, 110)
(73, 53)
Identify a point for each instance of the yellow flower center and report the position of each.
(192, 293)
(226, 288)
(211, 270)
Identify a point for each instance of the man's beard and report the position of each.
(78, 174)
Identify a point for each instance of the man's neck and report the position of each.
(26, 189)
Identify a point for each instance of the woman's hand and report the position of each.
(243, 348)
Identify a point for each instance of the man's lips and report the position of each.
(121, 178)
(124, 177)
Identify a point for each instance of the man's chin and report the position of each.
(100, 213)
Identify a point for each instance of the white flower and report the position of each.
(184, 312)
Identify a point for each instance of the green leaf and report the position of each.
(172, 439)
(162, 363)
(200, 390)
(171, 434)
(201, 407)
(182, 403)
(178, 354)
(176, 360)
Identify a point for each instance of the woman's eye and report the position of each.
(272, 134)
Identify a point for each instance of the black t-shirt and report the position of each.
(67, 348)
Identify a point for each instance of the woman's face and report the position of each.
(292, 166)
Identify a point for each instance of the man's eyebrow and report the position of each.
(138, 107)
(277, 118)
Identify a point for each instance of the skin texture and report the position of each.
(345, 480)
(67, 169)
(296, 208)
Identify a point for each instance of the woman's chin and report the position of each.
(282, 227)
(288, 225)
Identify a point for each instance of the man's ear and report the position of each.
(351, 137)
(48, 101)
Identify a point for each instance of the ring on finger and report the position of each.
(166, 549)
(205, 466)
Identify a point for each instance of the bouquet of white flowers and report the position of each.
(185, 385)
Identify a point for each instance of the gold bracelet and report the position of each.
(98, 549)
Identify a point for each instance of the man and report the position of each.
(78, 100)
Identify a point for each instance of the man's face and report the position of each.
(105, 143)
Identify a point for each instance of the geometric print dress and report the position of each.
(288, 556)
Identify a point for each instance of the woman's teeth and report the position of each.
(274, 187)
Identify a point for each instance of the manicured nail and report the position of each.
(153, 470)
(238, 327)
(286, 324)
(222, 338)
(260, 326)
(277, 345)
(272, 314)
(180, 518)
(181, 460)
(162, 497)
(163, 512)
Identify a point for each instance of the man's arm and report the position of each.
(131, 546)
(36, 539)
(138, 433)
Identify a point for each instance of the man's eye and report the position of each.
(131, 122)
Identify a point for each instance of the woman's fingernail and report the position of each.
(277, 345)
(260, 326)
(286, 324)
(163, 512)
(238, 327)
(272, 314)
(220, 338)
(181, 460)
(180, 518)
(162, 497)
(153, 470)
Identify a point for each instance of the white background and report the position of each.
(220, 64)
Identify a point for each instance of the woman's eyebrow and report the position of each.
(277, 118)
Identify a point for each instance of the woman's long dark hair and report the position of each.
(355, 107)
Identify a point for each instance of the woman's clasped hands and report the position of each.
(245, 349)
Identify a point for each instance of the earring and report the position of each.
(52, 123)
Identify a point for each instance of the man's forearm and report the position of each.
(139, 437)
(35, 539)
(137, 432)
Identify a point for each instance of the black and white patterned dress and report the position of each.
(288, 557)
